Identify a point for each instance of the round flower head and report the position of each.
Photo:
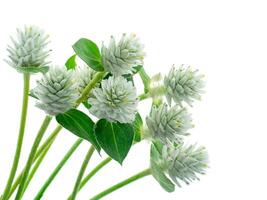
(183, 84)
(116, 100)
(28, 51)
(84, 75)
(169, 125)
(120, 58)
(56, 91)
(179, 162)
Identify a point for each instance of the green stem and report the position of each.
(98, 77)
(46, 145)
(57, 169)
(81, 172)
(94, 171)
(144, 96)
(32, 155)
(119, 185)
(20, 136)
(36, 166)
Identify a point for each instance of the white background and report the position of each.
(226, 40)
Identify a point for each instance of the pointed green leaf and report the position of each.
(89, 53)
(138, 128)
(79, 124)
(115, 138)
(158, 172)
(71, 62)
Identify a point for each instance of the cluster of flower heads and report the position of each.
(115, 99)
(168, 125)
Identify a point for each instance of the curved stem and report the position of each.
(98, 77)
(81, 172)
(36, 166)
(94, 171)
(57, 169)
(20, 136)
(119, 185)
(44, 147)
(32, 155)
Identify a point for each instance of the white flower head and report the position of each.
(169, 124)
(28, 52)
(120, 58)
(183, 84)
(56, 91)
(84, 75)
(115, 100)
(180, 162)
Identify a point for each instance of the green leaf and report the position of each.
(87, 105)
(89, 53)
(158, 172)
(115, 138)
(79, 124)
(71, 62)
(138, 128)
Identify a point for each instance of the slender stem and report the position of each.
(144, 96)
(98, 76)
(32, 155)
(94, 171)
(57, 169)
(44, 147)
(81, 172)
(36, 166)
(20, 136)
(119, 185)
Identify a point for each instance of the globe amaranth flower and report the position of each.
(183, 84)
(169, 124)
(115, 100)
(56, 91)
(28, 52)
(179, 162)
(84, 75)
(120, 58)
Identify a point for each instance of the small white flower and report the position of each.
(84, 75)
(181, 163)
(169, 125)
(183, 84)
(120, 58)
(116, 100)
(29, 49)
(56, 91)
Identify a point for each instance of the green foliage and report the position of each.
(157, 171)
(79, 124)
(115, 138)
(71, 62)
(89, 53)
(138, 128)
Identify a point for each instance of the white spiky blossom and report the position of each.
(28, 51)
(84, 75)
(120, 58)
(169, 124)
(56, 91)
(183, 84)
(115, 100)
(179, 162)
